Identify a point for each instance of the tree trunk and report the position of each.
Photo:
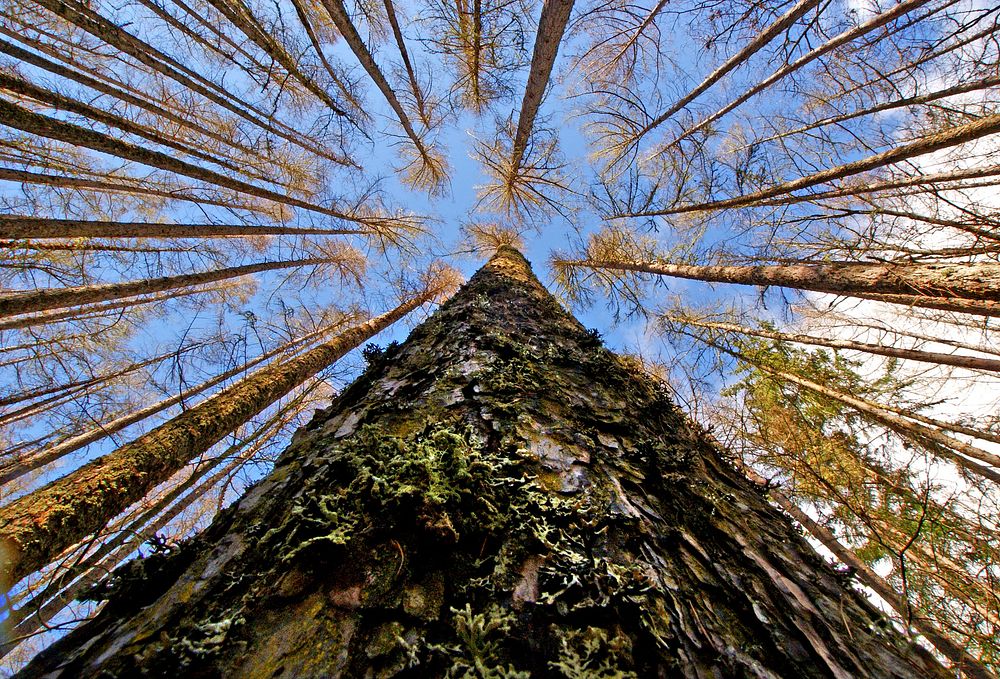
(551, 26)
(16, 226)
(81, 15)
(876, 22)
(499, 496)
(404, 55)
(978, 282)
(22, 119)
(36, 528)
(97, 311)
(104, 186)
(17, 467)
(939, 358)
(953, 136)
(766, 35)
(76, 578)
(43, 299)
(942, 445)
(970, 667)
(961, 88)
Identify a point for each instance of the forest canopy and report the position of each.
(787, 211)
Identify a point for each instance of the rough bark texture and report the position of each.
(497, 497)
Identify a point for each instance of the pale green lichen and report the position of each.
(593, 654)
(478, 653)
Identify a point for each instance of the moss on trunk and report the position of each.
(499, 496)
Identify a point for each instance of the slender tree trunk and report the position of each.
(418, 95)
(876, 22)
(58, 102)
(22, 119)
(92, 381)
(780, 25)
(974, 281)
(17, 227)
(336, 77)
(97, 311)
(953, 304)
(226, 46)
(933, 182)
(38, 527)
(941, 444)
(17, 468)
(187, 121)
(962, 661)
(342, 20)
(44, 299)
(551, 26)
(957, 360)
(953, 136)
(105, 186)
(77, 578)
(242, 17)
(498, 496)
(917, 99)
(90, 21)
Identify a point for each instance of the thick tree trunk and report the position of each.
(497, 496)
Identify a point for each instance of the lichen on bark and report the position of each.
(499, 496)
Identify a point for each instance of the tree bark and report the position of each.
(977, 283)
(55, 298)
(16, 227)
(22, 119)
(37, 527)
(551, 26)
(498, 496)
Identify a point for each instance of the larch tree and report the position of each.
(786, 209)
